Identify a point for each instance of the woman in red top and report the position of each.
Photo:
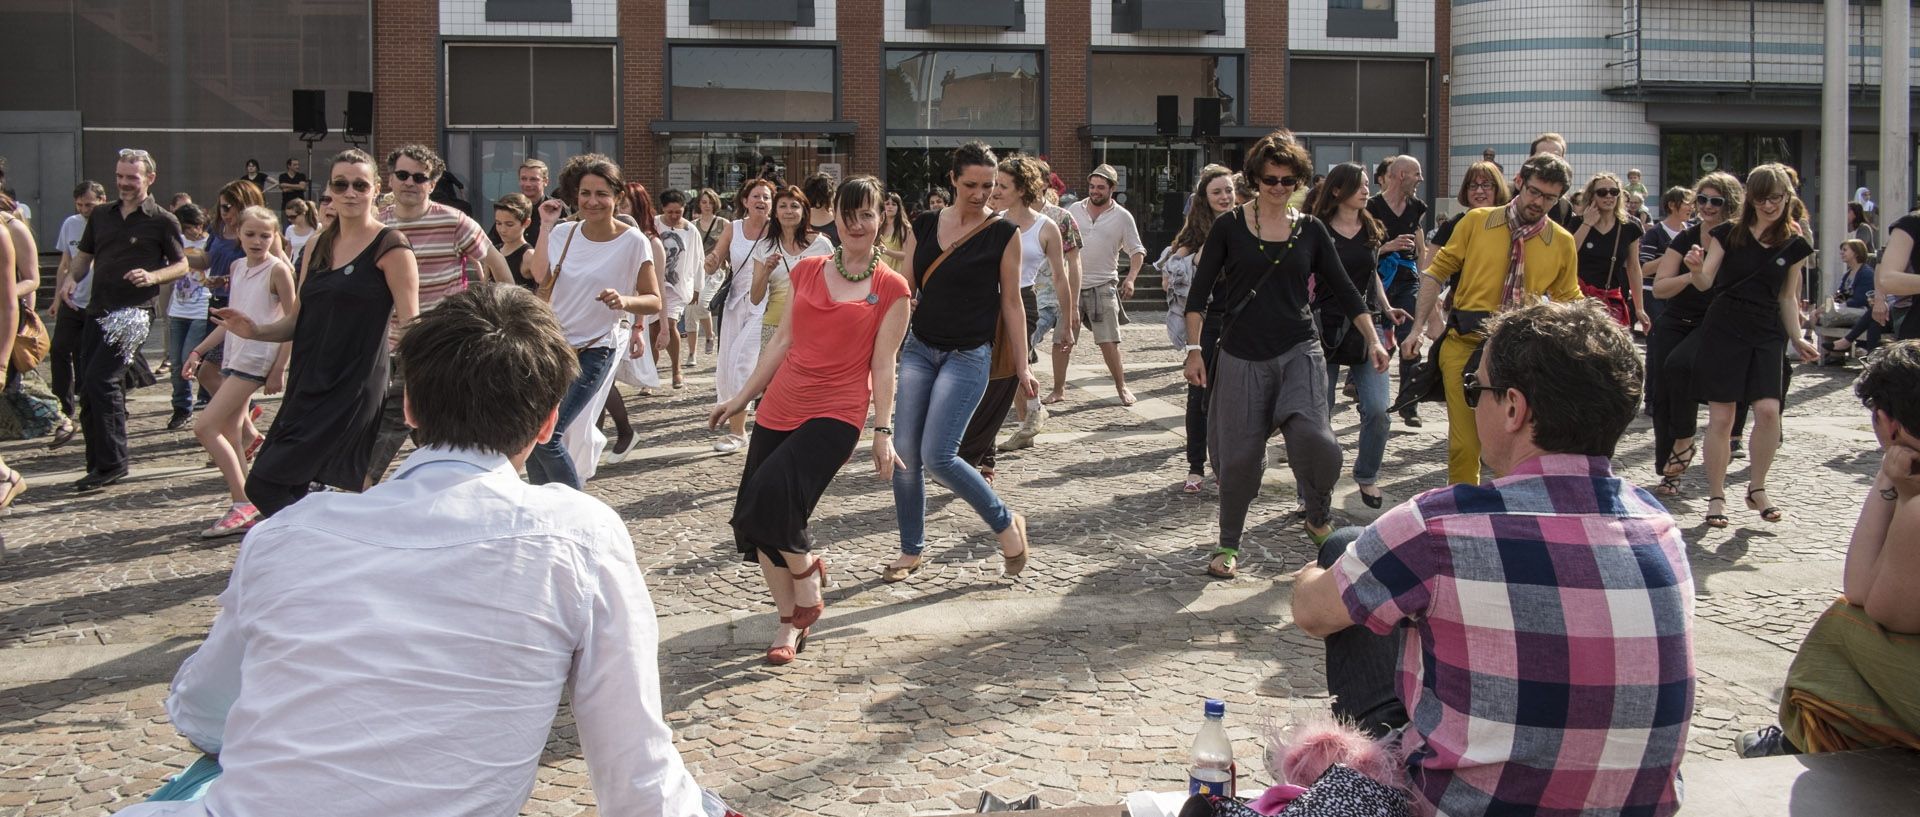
(833, 352)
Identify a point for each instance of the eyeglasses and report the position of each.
(416, 178)
(358, 185)
(1480, 186)
(1607, 192)
(1711, 201)
(1775, 200)
(1279, 181)
(1472, 382)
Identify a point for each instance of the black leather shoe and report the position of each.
(179, 419)
(95, 482)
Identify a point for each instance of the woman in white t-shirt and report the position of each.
(599, 268)
(301, 225)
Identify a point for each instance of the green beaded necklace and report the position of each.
(872, 265)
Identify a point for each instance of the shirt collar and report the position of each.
(1548, 465)
(484, 460)
(1498, 219)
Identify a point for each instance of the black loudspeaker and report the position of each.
(1168, 122)
(1206, 117)
(359, 113)
(310, 112)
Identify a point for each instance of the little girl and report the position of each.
(263, 289)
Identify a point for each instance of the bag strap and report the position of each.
(554, 277)
(928, 273)
(1619, 229)
(1293, 234)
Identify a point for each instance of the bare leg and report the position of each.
(1719, 452)
(780, 583)
(220, 428)
(738, 425)
(1110, 352)
(672, 345)
(1059, 393)
(1761, 447)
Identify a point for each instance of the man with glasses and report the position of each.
(444, 241)
(1496, 259)
(1404, 216)
(132, 250)
(1108, 229)
(1537, 628)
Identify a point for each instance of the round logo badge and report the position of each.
(872, 299)
(346, 270)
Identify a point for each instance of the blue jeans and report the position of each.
(1372, 387)
(182, 335)
(938, 391)
(549, 461)
(1046, 318)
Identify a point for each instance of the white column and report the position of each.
(1896, 153)
(1832, 215)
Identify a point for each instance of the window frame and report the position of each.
(1244, 112)
(761, 125)
(444, 51)
(1041, 53)
(1429, 113)
(1363, 23)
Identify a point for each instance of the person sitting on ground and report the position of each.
(1544, 619)
(403, 651)
(1852, 684)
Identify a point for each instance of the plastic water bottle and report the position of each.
(1213, 771)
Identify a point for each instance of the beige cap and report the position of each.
(1106, 172)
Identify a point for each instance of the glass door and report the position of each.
(489, 161)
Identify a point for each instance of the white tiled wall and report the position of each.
(1307, 29)
(1036, 33)
(591, 18)
(824, 15)
(1101, 17)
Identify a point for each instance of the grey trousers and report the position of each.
(1252, 399)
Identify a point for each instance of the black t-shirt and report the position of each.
(1280, 317)
(1359, 257)
(1746, 288)
(513, 266)
(1561, 212)
(831, 230)
(260, 180)
(1406, 222)
(297, 179)
(958, 307)
(1599, 249)
(1444, 233)
(1690, 304)
(149, 239)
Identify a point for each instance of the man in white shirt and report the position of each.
(684, 269)
(70, 297)
(1108, 229)
(404, 650)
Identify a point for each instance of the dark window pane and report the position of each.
(488, 85)
(752, 84)
(1322, 95)
(963, 90)
(41, 76)
(1395, 97)
(576, 86)
(918, 165)
(1125, 87)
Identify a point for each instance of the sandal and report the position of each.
(1669, 485)
(1684, 459)
(62, 435)
(1193, 484)
(986, 473)
(780, 656)
(1716, 520)
(16, 485)
(1227, 569)
(804, 617)
(1319, 539)
(1014, 564)
(892, 573)
(1770, 513)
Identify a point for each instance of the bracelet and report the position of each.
(887, 430)
(1194, 347)
(1889, 494)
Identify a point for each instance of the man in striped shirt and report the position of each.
(444, 242)
(1543, 620)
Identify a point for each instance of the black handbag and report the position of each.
(1340, 342)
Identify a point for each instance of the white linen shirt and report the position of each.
(1102, 242)
(403, 651)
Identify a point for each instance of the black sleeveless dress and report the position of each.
(338, 375)
(1743, 346)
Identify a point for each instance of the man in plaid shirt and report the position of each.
(1545, 650)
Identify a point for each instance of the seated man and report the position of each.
(403, 651)
(1545, 616)
(1855, 683)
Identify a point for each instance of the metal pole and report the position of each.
(1832, 203)
(1896, 153)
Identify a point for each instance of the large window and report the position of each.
(1357, 96)
(751, 84)
(963, 90)
(1686, 156)
(725, 161)
(1124, 88)
(491, 85)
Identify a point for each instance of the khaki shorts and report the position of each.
(1100, 312)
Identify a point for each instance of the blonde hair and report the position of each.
(1620, 194)
(260, 213)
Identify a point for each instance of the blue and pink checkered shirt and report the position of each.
(1548, 661)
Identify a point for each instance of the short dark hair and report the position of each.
(89, 186)
(189, 215)
(516, 204)
(818, 188)
(1277, 147)
(1891, 383)
(857, 192)
(1578, 368)
(1675, 198)
(589, 164)
(971, 154)
(672, 196)
(1548, 169)
(487, 328)
(419, 153)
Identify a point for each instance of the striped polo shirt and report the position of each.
(444, 241)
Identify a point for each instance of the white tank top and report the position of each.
(1032, 256)
(741, 250)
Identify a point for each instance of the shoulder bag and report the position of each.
(1003, 363)
(717, 307)
(30, 341)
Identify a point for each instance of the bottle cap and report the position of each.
(1216, 708)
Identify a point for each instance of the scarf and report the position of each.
(1516, 287)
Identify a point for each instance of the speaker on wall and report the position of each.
(1206, 117)
(1168, 122)
(359, 113)
(310, 112)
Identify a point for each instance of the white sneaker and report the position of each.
(728, 444)
(616, 456)
(1023, 436)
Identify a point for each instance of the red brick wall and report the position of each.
(1068, 35)
(643, 30)
(861, 28)
(1267, 62)
(1439, 179)
(406, 92)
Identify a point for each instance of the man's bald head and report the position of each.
(1404, 174)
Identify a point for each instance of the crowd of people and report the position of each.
(375, 311)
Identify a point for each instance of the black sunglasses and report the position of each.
(1608, 192)
(1472, 381)
(1711, 201)
(416, 178)
(341, 185)
(1279, 181)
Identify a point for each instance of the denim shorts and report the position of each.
(252, 378)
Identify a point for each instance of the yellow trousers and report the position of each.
(1463, 437)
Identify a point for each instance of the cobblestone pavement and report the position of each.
(1080, 681)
